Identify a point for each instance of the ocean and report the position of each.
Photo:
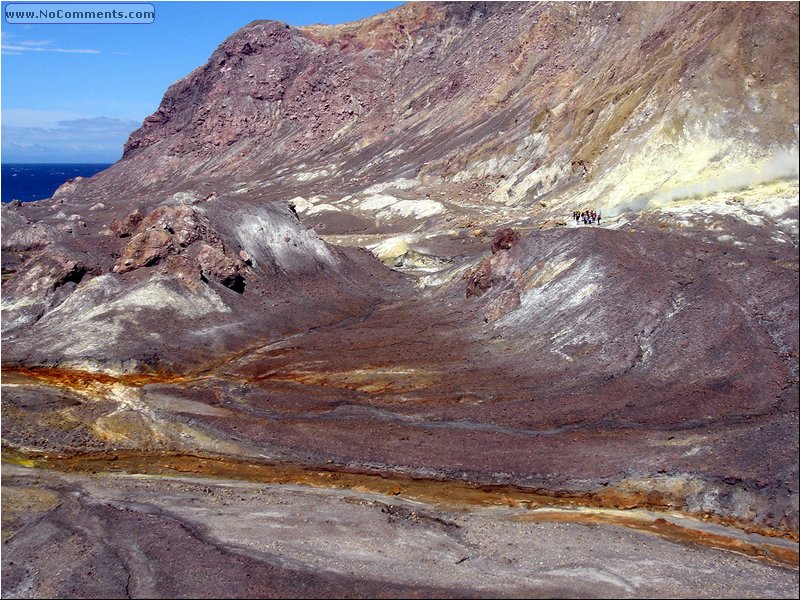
(28, 182)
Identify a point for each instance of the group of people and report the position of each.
(587, 216)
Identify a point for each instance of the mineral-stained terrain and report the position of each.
(328, 328)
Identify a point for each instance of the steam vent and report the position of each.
(461, 300)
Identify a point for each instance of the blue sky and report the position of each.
(73, 93)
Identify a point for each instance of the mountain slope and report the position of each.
(512, 103)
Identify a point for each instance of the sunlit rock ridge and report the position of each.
(617, 104)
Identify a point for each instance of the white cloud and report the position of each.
(82, 139)
(32, 43)
(21, 47)
(29, 117)
(12, 45)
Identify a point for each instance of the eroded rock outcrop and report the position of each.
(504, 239)
(127, 225)
(43, 282)
(181, 232)
(191, 267)
(215, 264)
(496, 268)
(20, 234)
(597, 103)
(506, 301)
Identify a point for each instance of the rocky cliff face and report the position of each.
(521, 102)
(211, 292)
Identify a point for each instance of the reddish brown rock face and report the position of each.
(180, 233)
(506, 301)
(213, 305)
(495, 269)
(126, 226)
(214, 264)
(145, 250)
(503, 239)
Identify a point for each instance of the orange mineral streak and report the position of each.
(674, 532)
(374, 382)
(446, 495)
(86, 380)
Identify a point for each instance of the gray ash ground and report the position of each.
(122, 536)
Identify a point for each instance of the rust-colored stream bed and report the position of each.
(610, 508)
(645, 510)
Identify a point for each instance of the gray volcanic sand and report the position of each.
(131, 536)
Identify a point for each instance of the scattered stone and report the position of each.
(504, 238)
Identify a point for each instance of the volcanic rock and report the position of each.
(180, 230)
(145, 249)
(20, 234)
(503, 239)
(505, 302)
(125, 227)
(571, 88)
(495, 269)
(47, 272)
(42, 283)
(214, 264)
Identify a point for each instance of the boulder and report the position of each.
(216, 265)
(504, 238)
(127, 225)
(147, 248)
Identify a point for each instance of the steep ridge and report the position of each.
(208, 299)
(530, 102)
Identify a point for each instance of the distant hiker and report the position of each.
(293, 208)
(598, 217)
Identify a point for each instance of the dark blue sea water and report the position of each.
(28, 182)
